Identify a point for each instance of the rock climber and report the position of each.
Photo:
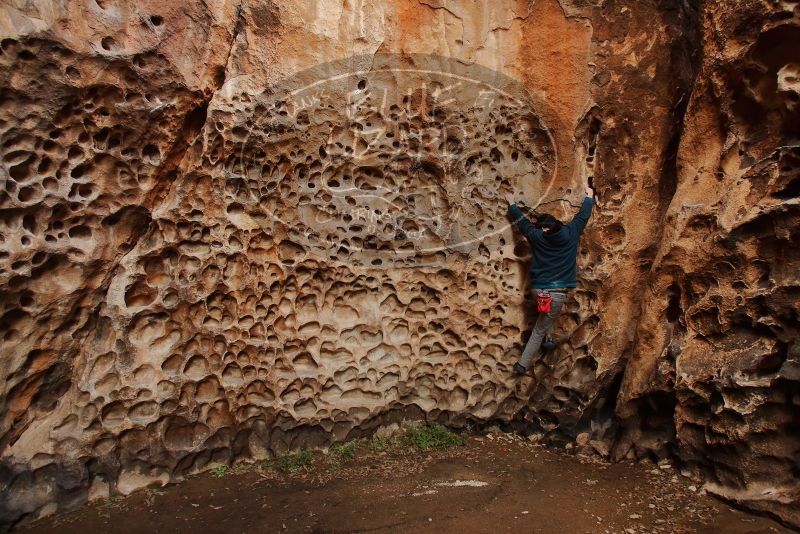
(553, 270)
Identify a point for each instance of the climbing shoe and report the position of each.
(519, 370)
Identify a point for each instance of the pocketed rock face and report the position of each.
(231, 230)
(715, 374)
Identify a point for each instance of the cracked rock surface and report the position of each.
(232, 229)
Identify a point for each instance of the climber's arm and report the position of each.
(582, 217)
(520, 220)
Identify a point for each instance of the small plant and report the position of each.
(433, 436)
(344, 451)
(266, 465)
(291, 463)
(113, 501)
(219, 471)
(150, 497)
(382, 444)
(239, 467)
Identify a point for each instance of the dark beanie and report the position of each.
(545, 220)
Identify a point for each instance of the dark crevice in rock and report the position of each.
(221, 74)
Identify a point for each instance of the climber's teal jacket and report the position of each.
(554, 262)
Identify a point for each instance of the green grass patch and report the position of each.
(219, 471)
(383, 444)
(433, 436)
(291, 463)
(344, 451)
(240, 467)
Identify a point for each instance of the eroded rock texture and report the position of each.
(231, 229)
(714, 369)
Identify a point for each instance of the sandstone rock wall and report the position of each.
(713, 374)
(236, 228)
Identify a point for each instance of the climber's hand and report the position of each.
(509, 198)
(589, 190)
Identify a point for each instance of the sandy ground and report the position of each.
(496, 483)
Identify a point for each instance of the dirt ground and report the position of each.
(495, 483)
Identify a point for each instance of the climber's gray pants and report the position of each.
(543, 324)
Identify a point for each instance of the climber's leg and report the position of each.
(543, 325)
